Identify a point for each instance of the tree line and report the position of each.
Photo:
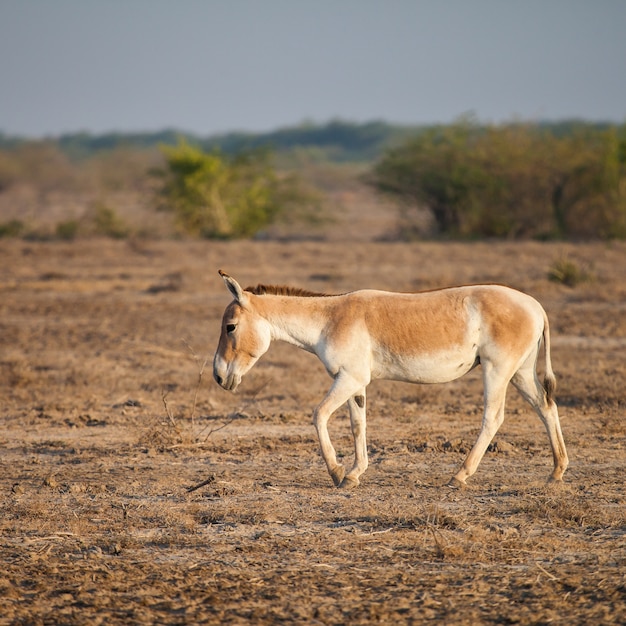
(336, 140)
(461, 180)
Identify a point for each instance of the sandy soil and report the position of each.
(109, 415)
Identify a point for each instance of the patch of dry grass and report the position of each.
(136, 491)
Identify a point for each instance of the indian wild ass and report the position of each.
(428, 337)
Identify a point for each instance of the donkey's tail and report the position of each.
(549, 380)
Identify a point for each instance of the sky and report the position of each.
(215, 66)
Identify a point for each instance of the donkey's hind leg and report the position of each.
(527, 383)
(495, 393)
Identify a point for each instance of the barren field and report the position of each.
(109, 415)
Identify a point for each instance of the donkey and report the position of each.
(426, 337)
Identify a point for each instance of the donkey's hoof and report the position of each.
(555, 483)
(455, 483)
(349, 482)
(337, 474)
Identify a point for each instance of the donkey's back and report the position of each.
(437, 336)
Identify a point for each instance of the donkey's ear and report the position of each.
(233, 287)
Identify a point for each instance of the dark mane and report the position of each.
(283, 290)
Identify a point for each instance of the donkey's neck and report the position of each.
(299, 321)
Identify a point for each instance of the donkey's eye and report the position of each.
(230, 328)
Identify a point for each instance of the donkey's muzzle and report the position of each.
(230, 383)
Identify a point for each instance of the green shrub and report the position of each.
(216, 196)
(567, 272)
(108, 223)
(67, 230)
(12, 228)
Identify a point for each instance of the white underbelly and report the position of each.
(441, 367)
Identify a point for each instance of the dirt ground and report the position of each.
(109, 415)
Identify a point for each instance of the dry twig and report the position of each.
(200, 373)
(546, 572)
(208, 481)
(164, 395)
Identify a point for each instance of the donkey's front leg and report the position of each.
(342, 389)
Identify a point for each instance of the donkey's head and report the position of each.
(244, 338)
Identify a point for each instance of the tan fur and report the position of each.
(428, 337)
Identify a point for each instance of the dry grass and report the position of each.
(136, 491)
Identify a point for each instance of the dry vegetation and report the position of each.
(110, 416)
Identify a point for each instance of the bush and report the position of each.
(108, 223)
(216, 196)
(12, 228)
(568, 272)
(67, 230)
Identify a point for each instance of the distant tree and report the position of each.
(435, 169)
(514, 180)
(588, 185)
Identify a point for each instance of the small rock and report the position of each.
(505, 447)
(95, 552)
(50, 481)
